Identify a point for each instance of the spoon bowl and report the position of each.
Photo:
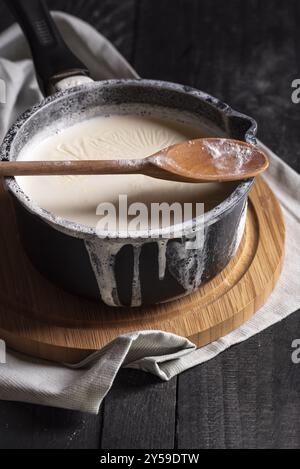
(208, 160)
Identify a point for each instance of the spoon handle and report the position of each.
(59, 168)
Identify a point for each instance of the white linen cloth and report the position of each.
(83, 387)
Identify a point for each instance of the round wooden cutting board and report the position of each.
(39, 319)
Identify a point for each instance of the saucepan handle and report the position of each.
(52, 58)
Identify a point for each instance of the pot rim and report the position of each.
(84, 231)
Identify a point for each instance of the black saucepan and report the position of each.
(130, 271)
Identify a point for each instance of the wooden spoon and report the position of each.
(199, 160)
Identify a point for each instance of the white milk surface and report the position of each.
(76, 198)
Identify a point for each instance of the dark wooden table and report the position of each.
(247, 53)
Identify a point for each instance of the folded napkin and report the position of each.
(83, 386)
